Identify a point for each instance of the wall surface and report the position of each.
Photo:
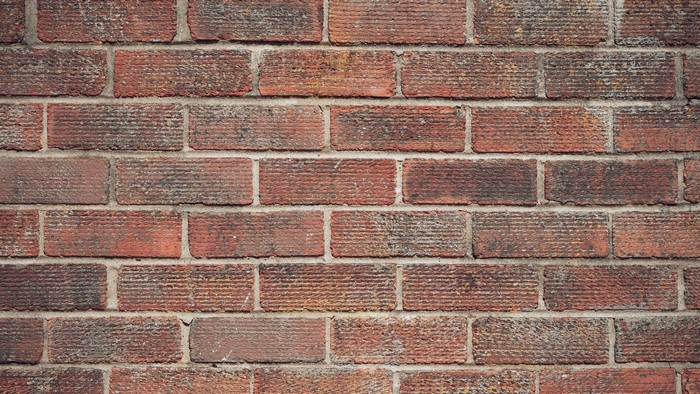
(350, 196)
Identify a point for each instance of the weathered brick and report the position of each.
(178, 380)
(433, 181)
(161, 73)
(112, 233)
(621, 75)
(256, 20)
(328, 181)
(504, 382)
(657, 129)
(540, 341)
(12, 21)
(22, 340)
(648, 22)
(256, 127)
(691, 66)
(401, 128)
(469, 74)
(545, 234)
(53, 287)
(632, 381)
(467, 287)
(691, 381)
(323, 380)
(691, 175)
(256, 234)
(657, 339)
(691, 277)
(20, 125)
(51, 381)
(397, 22)
(20, 234)
(657, 234)
(82, 180)
(397, 233)
(327, 287)
(195, 288)
(257, 340)
(114, 340)
(327, 73)
(399, 340)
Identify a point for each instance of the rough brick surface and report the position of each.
(22, 340)
(178, 380)
(632, 381)
(691, 180)
(505, 382)
(20, 235)
(657, 339)
(691, 277)
(20, 126)
(657, 129)
(648, 22)
(665, 234)
(12, 22)
(52, 380)
(691, 65)
(320, 381)
(691, 381)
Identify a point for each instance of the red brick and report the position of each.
(82, 180)
(256, 234)
(114, 340)
(691, 277)
(108, 21)
(256, 127)
(622, 75)
(432, 181)
(51, 381)
(692, 181)
(611, 182)
(401, 128)
(327, 287)
(658, 339)
(691, 66)
(657, 129)
(178, 380)
(513, 22)
(398, 233)
(610, 288)
(22, 340)
(538, 130)
(397, 22)
(256, 20)
(327, 73)
(328, 181)
(399, 340)
(112, 234)
(20, 125)
(256, 339)
(115, 126)
(161, 73)
(188, 288)
(466, 287)
(12, 22)
(657, 234)
(52, 72)
(648, 22)
(323, 380)
(20, 235)
(503, 382)
(632, 381)
(544, 234)
(691, 381)
(469, 75)
(540, 341)
(53, 287)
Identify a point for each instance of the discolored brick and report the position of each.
(504, 382)
(52, 380)
(648, 22)
(22, 340)
(178, 380)
(657, 234)
(12, 22)
(632, 381)
(657, 339)
(657, 129)
(323, 380)
(20, 235)
(20, 125)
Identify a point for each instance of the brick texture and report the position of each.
(52, 380)
(178, 380)
(657, 339)
(665, 235)
(646, 22)
(691, 65)
(506, 382)
(691, 277)
(633, 381)
(22, 339)
(691, 381)
(20, 235)
(361, 381)
(657, 129)
(12, 23)
(691, 180)
(20, 126)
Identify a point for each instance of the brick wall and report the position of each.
(349, 196)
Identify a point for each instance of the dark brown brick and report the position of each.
(691, 276)
(648, 22)
(657, 339)
(323, 380)
(691, 381)
(691, 67)
(12, 22)
(20, 235)
(503, 382)
(657, 234)
(178, 380)
(20, 124)
(51, 381)
(691, 175)
(632, 381)
(22, 340)
(657, 129)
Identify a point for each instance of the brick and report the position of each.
(114, 340)
(397, 22)
(469, 75)
(397, 233)
(162, 73)
(513, 22)
(327, 287)
(52, 72)
(270, 340)
(53, 287)
(691, 67)
(115, 126)
(434, 181)
(544, 234)
(691, 277)
(691, 173)
(538, 130)
(12, 22)
(398, 128)
(107, 21)
(187, 288)
(20, 235)
(253, 127)
(323, 380)
(504, 382)
(399, 340)
(163, 180)
(51, 381)
(691, 381)
(646, 22)
(112, 234)
(466, 287)
(327, 73)
(256, 20)
(657, 129)
(81, 180)
(256, 234)
(328, 181)
(20, 125)
(632, 381)
(22, 340)
(611, 182)
(540, 341)
(610, 288)
(657, 339)
(657, 234)
(623, 75)
(178, 380)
